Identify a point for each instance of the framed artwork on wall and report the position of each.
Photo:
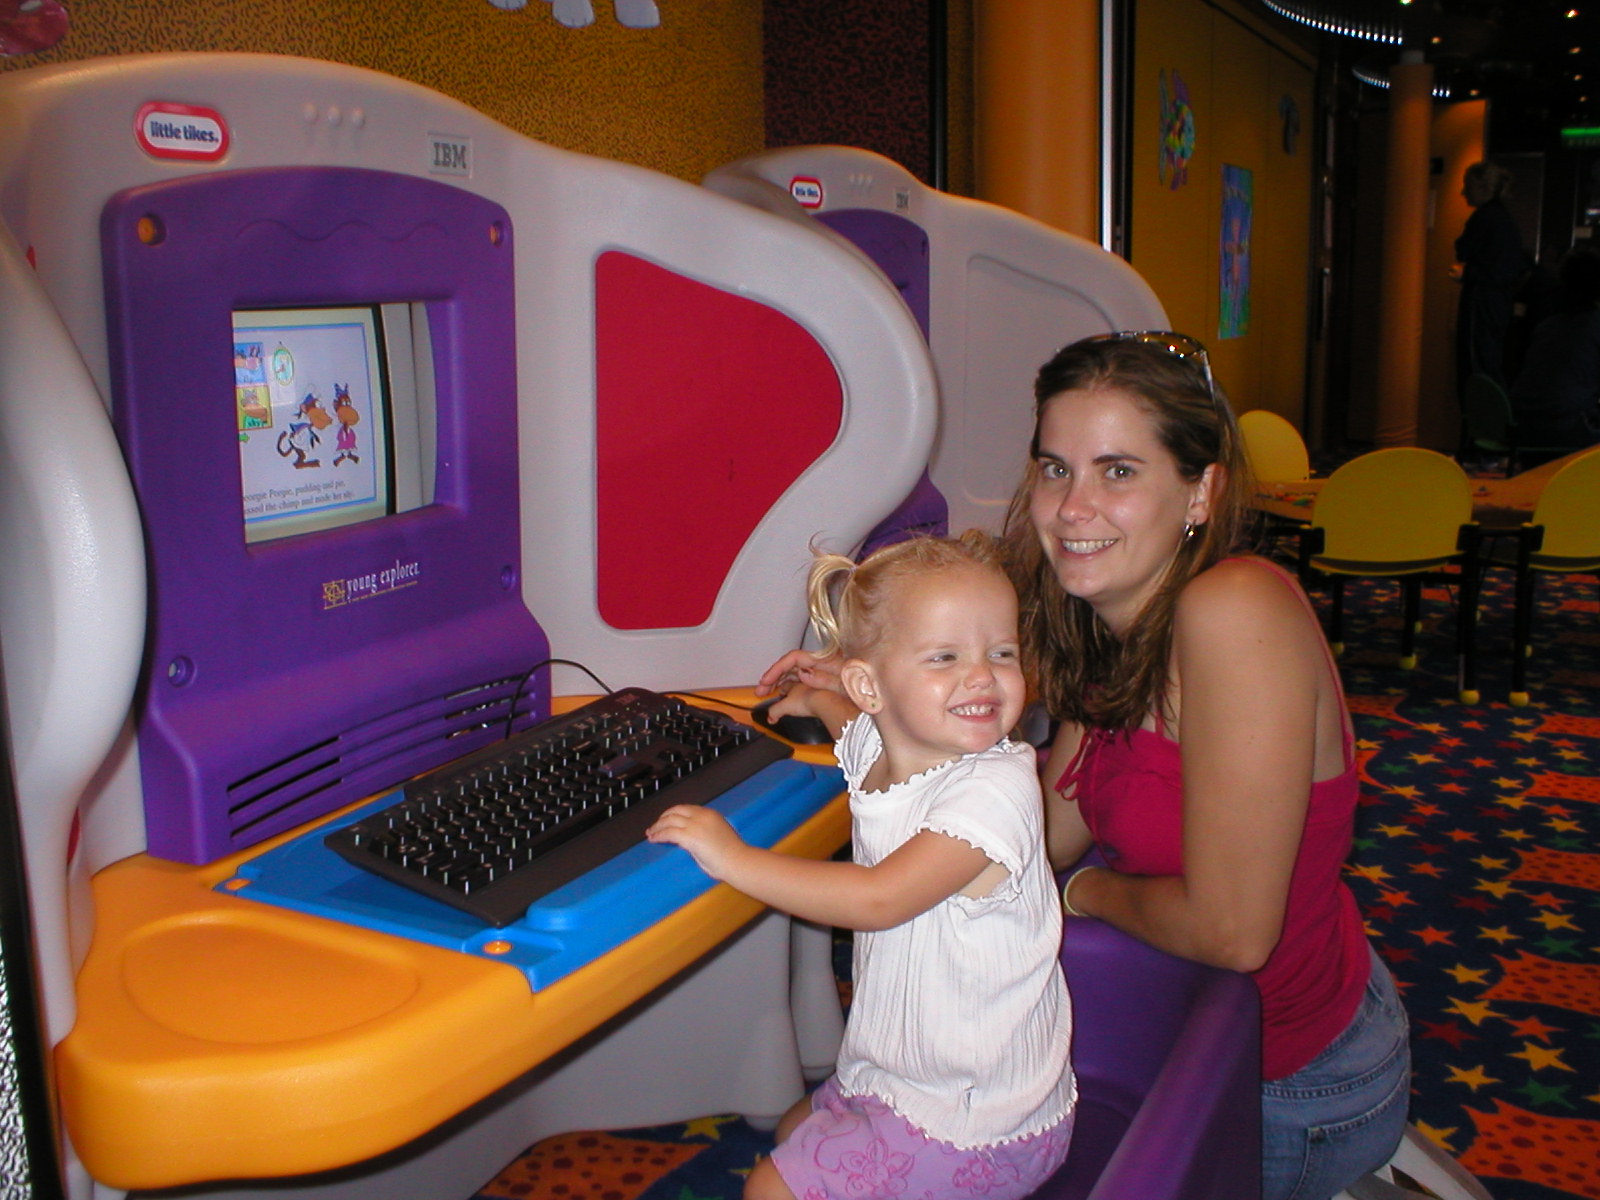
(1177, 131)
(1233, 318)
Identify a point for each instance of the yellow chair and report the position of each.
(1277, 455)
(1563, 535)
(1276, 451)
(1406, 514)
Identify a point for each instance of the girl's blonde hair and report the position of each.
(849, 601)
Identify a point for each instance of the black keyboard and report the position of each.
(497, 830)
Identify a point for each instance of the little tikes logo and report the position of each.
(181, 131)
(806, 190)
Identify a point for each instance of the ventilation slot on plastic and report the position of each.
(377, 754)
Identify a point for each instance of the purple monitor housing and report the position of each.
(263, 324)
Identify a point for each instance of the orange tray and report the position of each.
(221, 1038)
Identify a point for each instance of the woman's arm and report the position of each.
(1066, 837)
(930, 867)
(1249, 665)
(801, 666)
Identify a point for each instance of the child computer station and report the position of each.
(348, 437)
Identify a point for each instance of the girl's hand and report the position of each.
(802, 700)
(801, 667)
(833, 709)
(703, 832)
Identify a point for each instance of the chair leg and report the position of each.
(1521, 636)
(1411, 592)
(1336, 614)
(1466, 634)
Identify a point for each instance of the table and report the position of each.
(1495, 502)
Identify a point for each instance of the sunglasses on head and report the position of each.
(1179, 345)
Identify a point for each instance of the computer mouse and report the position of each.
(791, 727)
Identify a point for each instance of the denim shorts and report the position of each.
(1343, 1113)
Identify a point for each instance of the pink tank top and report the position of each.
(1130, 791)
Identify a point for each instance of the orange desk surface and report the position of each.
(221, 1038)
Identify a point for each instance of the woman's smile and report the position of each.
(1110, 506)
(1077, 547)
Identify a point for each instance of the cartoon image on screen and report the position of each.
(250, 387)
(313, 419)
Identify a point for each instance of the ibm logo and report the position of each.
(448, 155)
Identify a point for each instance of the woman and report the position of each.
(1203, 743)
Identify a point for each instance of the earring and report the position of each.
(1188, 530)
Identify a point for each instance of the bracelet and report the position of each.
(1066, 892)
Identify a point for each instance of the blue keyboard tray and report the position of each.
(561, 932)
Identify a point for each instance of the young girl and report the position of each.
(953, 1078)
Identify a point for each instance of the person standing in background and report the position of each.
(1491, 263)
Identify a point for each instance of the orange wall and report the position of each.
(1236, 75)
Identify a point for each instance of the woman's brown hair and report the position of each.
(1079, 669)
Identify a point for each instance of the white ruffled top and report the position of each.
(961, 1021)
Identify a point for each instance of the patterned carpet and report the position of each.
(1477, 864)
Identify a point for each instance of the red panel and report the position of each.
(708, 406)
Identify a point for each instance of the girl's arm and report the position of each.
(1066, 836)
(1250, 664)
(834, 709)
(929, 868)
(811, 688)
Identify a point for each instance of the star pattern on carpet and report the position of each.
(706, 1127)
(1491, 814)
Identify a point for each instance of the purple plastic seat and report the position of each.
(1168, 1057)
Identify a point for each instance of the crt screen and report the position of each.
(311, 399)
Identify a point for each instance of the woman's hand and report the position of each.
(801, 667)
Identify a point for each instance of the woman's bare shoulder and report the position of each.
(1243, 580)
(1244, 598)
